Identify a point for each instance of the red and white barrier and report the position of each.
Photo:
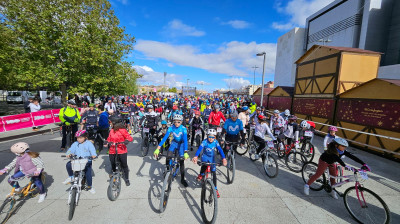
(27, 120)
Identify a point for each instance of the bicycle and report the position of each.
(209, 199)
(231, 162)
(114, 188)
(95, 137)
(134, 122)
(197, 136)
(355, 198)
(270, 163)
(69, 136)
(164, 147)
(294, 160)
(168, 178)
(147, 140)
(307, 148)
(78, 165)
(7, 209)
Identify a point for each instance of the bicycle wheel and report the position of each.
(72, 203)
(145, 146)
(308, 150)
(280, 150)
(366, 206)
(241, 150)
(252, 151)
(231, 167)
(309, 169)
(166, 189)
(270, 165)
(209, 202)
(295, 161)
(114, 188)
(6, 209)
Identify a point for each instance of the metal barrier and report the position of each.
(360, 132)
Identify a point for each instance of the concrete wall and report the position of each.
(393, 50)
(289, 49)
(389, 72)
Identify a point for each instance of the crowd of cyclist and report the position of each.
(219, 120)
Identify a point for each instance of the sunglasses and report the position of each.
(211, 137)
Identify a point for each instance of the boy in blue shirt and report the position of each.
(82, 148)
(209, 147)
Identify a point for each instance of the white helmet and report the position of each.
(19, 147)
(303, 124)
(287, 112)
(212, 132)
(276, 111)
(178, 117)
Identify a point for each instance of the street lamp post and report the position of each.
(262, 81)
(254, 83)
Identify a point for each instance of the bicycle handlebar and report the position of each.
(207, 163)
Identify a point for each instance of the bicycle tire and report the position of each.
(6, 209)
(252, 151)
(280, 150)
(145, 147)
(209, 200)
(369, 214)
(309, 170)
(242, 150)
(166, 189)
(72, 204)
(270, 165)
(231, 168)
(114, 188)
(308, 150)
(295, 161)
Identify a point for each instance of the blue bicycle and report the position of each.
(170, 175)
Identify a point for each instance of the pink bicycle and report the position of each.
(364, 205)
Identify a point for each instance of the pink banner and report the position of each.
(1, 125)
(42, 117)
(14, 122)
(55, 113)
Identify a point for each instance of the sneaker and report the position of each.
(42, 197)
(306, 189)
(217, 193)
(256, 156)
(127, 183)
(334, 194)
(91, 190)
(184, 183)
(62, 149)
(68, 180)
(199, 177)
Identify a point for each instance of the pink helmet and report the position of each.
(141, 109)
(81, 133)
(332, 128)
(19, 147)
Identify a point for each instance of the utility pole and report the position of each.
(262, 81)
(254, 83)
(165, 75)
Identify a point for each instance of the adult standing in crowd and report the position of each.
(70, 117)
(110, 105)
(34, 107)
(104, 125)
(27, 104)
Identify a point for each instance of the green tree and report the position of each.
(172, 90)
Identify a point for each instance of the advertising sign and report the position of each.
(14, 122)
(55, 113)
(315, 107)
(1, 125)
(375, 113)
(279, 103)
(42, 117)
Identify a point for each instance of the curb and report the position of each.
(33, 133)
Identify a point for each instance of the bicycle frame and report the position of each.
(24, 191)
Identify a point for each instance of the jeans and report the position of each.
(88, 172)
(37, 180)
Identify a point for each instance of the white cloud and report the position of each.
(298, 11)
(177, 28)
(203, 83)
(233, 58)
(157, 78)
(237, 24)
(236, 83)
(124, 2)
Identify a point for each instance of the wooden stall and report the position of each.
(257, 95)
(325, 71)
(372, 107)
(280, 98)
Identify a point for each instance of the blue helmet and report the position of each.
(341, 141)
(163, 122)
(245, 108)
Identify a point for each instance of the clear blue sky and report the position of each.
(208, 42)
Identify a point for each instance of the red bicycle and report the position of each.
(294, 160)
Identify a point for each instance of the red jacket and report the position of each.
(119, 136)
(215, 118)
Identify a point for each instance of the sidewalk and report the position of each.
(25, 132)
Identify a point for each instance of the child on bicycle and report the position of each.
(209, 147)
(179, 143)
(119, 134)
(82, 148)
(259, 136)
(336, 150)
(162, 131)
(330, 136)
(26, 163)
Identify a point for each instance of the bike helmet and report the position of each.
(258, 108)
(91, 105)
(115, 119)
(130, 100)
(287, 112)
(261, 117)
(216, 107)
(303, 124)
(341, 141)
(163, 122)
(245, 108)
(197, 112)
(72, 102)
(81, 133)
(84, 103)
(141, 109)
(212, 132)
(234, 114)
(178, 117)
(175, 107)
(150, 107)
(332, 128)
(292, 117)
(19, 147)
(276, 111)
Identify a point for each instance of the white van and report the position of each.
(18, 96)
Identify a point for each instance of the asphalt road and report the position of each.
(252, 198)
